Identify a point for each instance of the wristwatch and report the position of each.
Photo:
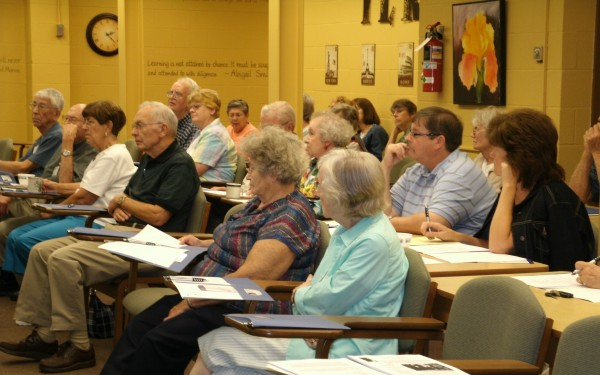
(121, 199)
(67, 153)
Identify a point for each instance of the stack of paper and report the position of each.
(366, 365)
(233, 289)
(455, 252)
(155, 247)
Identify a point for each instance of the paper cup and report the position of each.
(34, 184)
(23, 178)
(233, 190)
(405, 239)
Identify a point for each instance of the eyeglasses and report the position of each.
(40, 106)
(138, 125)
(72, 119)
(415, 134)
(174, 94)
(196, 106)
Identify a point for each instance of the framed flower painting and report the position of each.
(479, 53)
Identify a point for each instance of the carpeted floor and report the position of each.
(9, 331)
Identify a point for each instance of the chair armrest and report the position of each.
(493, 366)
(208, 184)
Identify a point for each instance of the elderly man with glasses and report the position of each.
(66, 165)
(445, 186)
(46, 107)
(160, 193)
(178, 102)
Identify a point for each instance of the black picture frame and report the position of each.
(473, 21)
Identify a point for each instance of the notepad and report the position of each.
(285, 321)
(232, 289)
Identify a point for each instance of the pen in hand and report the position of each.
(593, 261)
(427, 218)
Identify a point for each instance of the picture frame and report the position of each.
(479, 53)
(367, 75)
(406, 64)
(331, 65)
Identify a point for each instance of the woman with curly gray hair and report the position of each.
(275, 236)
(326, 132)
(362, 274)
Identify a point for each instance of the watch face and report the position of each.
(102, 34)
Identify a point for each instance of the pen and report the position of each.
(593, 261)
(427, 218)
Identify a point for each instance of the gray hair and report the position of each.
(240, 104)
(189, 83)
(333, 128)
(484, 116)
(283, 112)
(353, 182)
(277, 153)
(162, 113)
(56, 97)
(308, 107)
(347, 112)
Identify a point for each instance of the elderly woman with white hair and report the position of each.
(326, 132)
(481, 119)
(362, 273)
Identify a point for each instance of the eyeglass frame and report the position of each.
(138, 125)
(72, 119)
(414, 134)
(40, 106)
(174, 94)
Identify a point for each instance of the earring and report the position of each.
(106, 134)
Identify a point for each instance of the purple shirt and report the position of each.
(289, 220)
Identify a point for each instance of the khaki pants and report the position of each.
(51, 294)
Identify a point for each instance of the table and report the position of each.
(563, 311)
(465, 269)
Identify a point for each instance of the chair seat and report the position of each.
(139, 300)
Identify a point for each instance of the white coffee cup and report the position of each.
(23, 178)
(233, 190)
(34, 184)
(405, 239)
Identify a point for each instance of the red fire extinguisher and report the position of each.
(433, 59)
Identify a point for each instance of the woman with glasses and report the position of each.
(362, 274)
(372, 134)
(481, 120)
(240, 126)
(106, 176)
(536, 216)
(213, 150)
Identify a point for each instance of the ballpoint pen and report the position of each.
(427, 218)
(593, 261)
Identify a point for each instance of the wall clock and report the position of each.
(102, 34)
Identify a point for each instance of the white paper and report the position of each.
(431, 261)
(152, 236)
(405, 364)
(564, 282)
(340, 366)
(480, 257)
(161, 256)
(448, 247)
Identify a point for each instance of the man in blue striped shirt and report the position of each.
(445, 180)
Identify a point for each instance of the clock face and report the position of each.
(102, 34)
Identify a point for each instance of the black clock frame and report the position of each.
(90, 39)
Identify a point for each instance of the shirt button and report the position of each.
(522, 238)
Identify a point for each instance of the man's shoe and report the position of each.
(68, 358)
(8, 283)
(31, 347)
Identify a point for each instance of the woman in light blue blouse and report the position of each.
(362, 273)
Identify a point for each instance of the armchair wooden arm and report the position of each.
(277, 289)
(360, 327)
(493, 366)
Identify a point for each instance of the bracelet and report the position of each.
(187, 300)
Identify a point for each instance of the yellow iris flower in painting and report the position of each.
(479, 65)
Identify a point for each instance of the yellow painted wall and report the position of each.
(560, 86)
(222, 44)
(331, 22)
(13, 73)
